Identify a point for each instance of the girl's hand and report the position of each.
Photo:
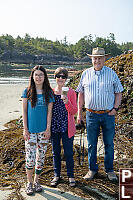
(65, 99)
(47, 134)
(26, 134)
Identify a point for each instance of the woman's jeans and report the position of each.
(107, 123)
(68, 151)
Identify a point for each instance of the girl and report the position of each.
(37, 102)
(63, 127)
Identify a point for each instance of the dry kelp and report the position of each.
(12, 169)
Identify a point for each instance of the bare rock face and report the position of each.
(26, 58)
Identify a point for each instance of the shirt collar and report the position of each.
(101, 71)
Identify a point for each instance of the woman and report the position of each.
(37, 102)
(63, 127)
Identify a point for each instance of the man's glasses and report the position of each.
(60, 76)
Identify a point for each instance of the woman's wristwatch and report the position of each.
(116, 109)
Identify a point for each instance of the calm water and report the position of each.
(11, 74)
(19, 74)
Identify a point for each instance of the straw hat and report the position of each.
(98, 52)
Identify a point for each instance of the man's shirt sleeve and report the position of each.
(80, 87)
(117, 84)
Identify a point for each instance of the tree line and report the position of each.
(31, 48)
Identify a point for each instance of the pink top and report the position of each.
(72, 109)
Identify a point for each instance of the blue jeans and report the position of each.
(68, 151)
(107, 123)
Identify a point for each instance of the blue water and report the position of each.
(12, 74)
(21, 80)
(19, 74)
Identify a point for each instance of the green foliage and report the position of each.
(108, 44)
(38, 46)
(127, 46)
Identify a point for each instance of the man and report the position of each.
(100, 89)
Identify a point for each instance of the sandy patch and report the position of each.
(10, 102)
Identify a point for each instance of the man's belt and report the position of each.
(98, 111)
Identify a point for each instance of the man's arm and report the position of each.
(118, 97)
(80, 105)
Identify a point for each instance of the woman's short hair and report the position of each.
(61, 70)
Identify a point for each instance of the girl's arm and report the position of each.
(26, 133)
(47, 132)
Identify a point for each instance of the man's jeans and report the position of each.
(107, 123)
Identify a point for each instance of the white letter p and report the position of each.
(126, 174)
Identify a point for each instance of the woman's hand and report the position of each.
(79, 118)
(26, 134)
(65, 99)
(47, 134)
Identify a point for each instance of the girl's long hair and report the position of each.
(46, 89)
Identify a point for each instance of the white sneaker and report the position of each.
(90, 175)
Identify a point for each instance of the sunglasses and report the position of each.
(60, 76)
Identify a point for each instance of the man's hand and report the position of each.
(112, 112)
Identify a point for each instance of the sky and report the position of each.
(75, 19)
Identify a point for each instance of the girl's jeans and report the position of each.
(35, 148)
(107, 123)
(68, 151)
